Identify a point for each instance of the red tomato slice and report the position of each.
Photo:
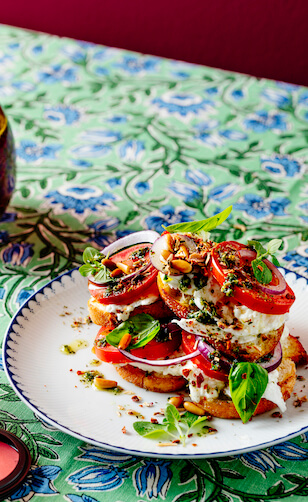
(252, 297)
(189, 346)
(153, 350)
(132, 289)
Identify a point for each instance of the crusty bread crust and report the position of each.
(293, 349)
(249, 352)
(152, 381)
(224, 408)
(158, 310)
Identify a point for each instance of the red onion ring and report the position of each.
(207, 349)
(144, 236)
(270, 365)
(159, 362)
(129, 240)
(274, 361)
(271, 289)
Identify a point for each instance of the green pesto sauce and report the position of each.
(73, 347)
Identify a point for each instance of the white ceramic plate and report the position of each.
(47, 381)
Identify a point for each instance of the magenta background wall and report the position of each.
(266, 38)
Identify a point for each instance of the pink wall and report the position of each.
(266, 38)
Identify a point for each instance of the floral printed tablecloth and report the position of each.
(109, 142)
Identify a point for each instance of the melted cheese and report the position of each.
(122, 312)
(249, 322)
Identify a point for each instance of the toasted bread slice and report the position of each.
(99, 313)
(155, 382)
(293, 349)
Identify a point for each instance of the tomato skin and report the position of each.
(189, 346)
(130, 291)
(153, 350)
(254, 298)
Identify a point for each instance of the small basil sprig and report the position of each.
(93, 267)
(247, 383)
(261, 271)
(205, 225)
(174, 426)
(141, 327)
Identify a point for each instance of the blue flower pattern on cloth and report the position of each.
(31, 151)
(64, 115)
(19, 254)
(39, 481)
(259, 207)
(168, 215)
(153, 479)
(58, 73)
(183, 104)
(98, 478)
(136, 65)
(102, 230)
(80, 199)
(262, 121)
(282, 165)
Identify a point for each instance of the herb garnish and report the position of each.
(261, 271)
(93, 266)
(175, 427)
(204, 225)
(247, 383)
(141, 327)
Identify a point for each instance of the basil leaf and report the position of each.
(171, 414)
(103, 275)
(275, 261)
(247, 383)
(87, 270)
(273, 246)
(261, 271)
(90, 254)
(142, 328)
(93, 267)
(174, 425)
(192, 420)
(149, 430)
(258, 247)
(205, 225)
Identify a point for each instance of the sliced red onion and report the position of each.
(144, 236)
(160, 245)
(159, 362)
(271, 289)
(274, 361)
(206, 349)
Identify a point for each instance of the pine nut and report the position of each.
(165, 254)
(108, 263)
(169, 241)
(103, 383)
(183, 251)
(116, 272)
(177, 401)
(125, 341)
(124, 267)
(194, 408)
(182, 266)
